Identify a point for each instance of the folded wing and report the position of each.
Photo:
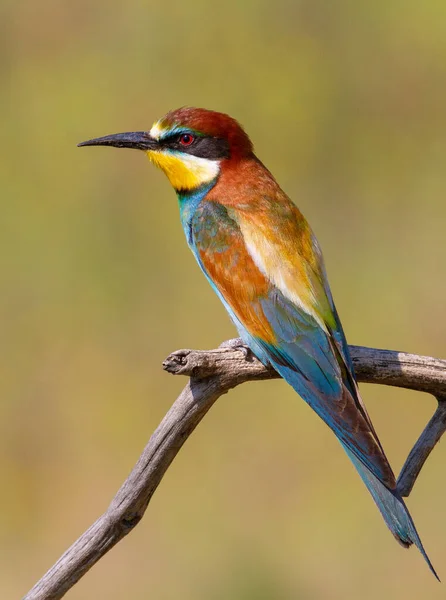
(268, 271)
(278, 296)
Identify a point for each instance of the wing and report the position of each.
(267, 269)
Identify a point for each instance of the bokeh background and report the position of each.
(345, 102)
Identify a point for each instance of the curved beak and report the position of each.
(138, 140)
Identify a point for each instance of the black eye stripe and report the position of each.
(202, 147)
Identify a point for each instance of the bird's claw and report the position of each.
(237, 344)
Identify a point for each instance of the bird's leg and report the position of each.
(237, 344)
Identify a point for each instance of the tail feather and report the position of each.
(392, 508)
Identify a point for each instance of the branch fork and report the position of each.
(213, 373)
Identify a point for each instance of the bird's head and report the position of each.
(189, 144)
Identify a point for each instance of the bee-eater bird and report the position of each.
(263, 261)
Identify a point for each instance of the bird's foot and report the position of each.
(237, 344)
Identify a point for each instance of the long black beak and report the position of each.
(138, 140)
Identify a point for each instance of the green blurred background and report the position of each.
(345, 102)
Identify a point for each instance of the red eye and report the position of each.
(186, 139)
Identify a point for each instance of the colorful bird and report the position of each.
(262, 259)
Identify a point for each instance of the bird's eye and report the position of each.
(186, 139)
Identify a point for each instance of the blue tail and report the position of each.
(392, 508)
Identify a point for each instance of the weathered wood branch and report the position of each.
(213, 373)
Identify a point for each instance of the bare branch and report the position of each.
(214, 373)
(423, 447)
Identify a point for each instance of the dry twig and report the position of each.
(213, 373)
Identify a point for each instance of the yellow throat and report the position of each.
(184, 171)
